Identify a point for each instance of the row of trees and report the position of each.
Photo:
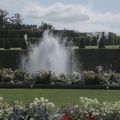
(15, 22)
(7, 22)
(99, 39)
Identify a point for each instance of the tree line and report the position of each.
(15, 23)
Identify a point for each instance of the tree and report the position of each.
(102, 41)
(3, 18)
(46, 26)
(94, 40)
(82, 42)
(113, 38)
(16, 20)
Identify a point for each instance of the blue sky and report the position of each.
(81, 15)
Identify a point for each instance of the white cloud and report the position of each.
(57, 12)
(72, 16)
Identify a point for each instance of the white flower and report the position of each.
(37, 100)
(46, 100)
(1, 98)
(42, 99)
(31, 118)
(43, 104)
(35, 103)
(1, 112)
(31, 105)
(51, 104)
(76, 106)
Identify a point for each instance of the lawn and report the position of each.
(96, 47)
(12, 49)
(59, 96)
(106, 46)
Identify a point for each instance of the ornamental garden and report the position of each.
(50, 74)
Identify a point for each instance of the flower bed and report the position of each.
(42, 109)
(22, 77)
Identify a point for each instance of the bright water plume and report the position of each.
(49, 55)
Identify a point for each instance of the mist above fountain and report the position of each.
(49, 55)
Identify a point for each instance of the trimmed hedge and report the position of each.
(88, 59)
(14, 33)
(12, 43)
(11, 58)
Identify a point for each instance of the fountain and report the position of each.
(49, 54)
(26, 39)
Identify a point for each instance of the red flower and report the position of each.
(67, 117)
(87, 117)
(92, 117)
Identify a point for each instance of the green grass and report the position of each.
(96, 47)
(91, 47)
(12, 49)
(59, 96)
(106, 46)
(74, 47)
(112, 46)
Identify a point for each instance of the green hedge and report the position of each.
(15, 38)
(11, 58)
(88, 59)
(12, 43)
(14, 34)
(19, 33)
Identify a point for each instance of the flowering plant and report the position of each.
(42, 109)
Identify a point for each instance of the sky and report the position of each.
(80, 15)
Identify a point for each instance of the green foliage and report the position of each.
(82, 42)
(91, 78)
(42, 109)
(90, 58)
(19, 75)
(11, 58)
(39, 109)
(6, 76)
(46, 26)
(94, 41)
(101, 78)
(101, 43)
(42, 77)
(3, 18)
(48, 78)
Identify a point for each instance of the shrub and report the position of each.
(102, 41)
(91, 78)
(82, 42)
(42, 77)
(6, 75)
(19, 75)
(60, 79)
